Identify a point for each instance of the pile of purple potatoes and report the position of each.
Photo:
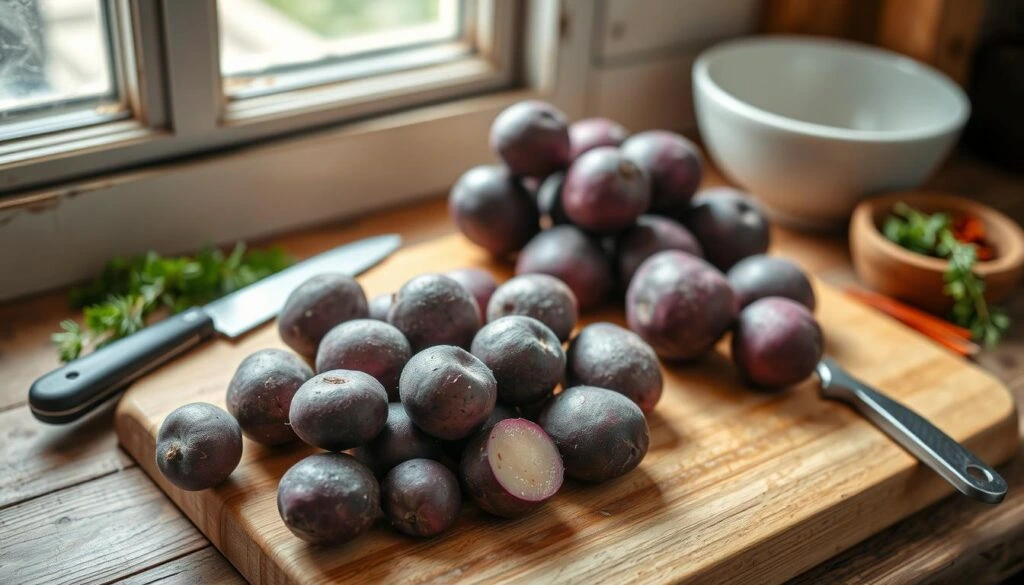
(448, 392)
(457, 387)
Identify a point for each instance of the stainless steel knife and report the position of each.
(78, 387)
(951, 460)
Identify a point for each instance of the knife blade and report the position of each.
(76, 388)
(951, 460)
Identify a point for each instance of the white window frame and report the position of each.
(349, 164)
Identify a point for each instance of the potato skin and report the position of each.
(608, 356)
(493, 209)
(433, 309)
(760, 276)
(400, 440)
(316, 306)
(380, 306)
(483, 487)
(261, 391)
(339, 409)
(532, 138)
(601, 434)
(421, 497)
(604, 191)
(679, 304)
(198, 446)
(729, 225)
(447, 392)
(573, 257)
(776, 343)
(366, 345)
(651, 234)
(673, 163)
(526, 358)
(479, 283)
(591, 133)
(328, 498)
(549, 200)
(543, 297)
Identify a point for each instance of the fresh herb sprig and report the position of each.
(128, 291)
(932, 234)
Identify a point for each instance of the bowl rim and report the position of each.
(1011, 249)
(702, 80)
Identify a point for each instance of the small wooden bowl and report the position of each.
(918, 279)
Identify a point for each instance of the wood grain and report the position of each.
(93, 533)
(746, 487)
(39, 458)
(202, 567)
(941, 33)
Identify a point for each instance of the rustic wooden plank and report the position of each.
(93, 533)
(851, 19)
(941, 33)
(36, 458)
(203, 567)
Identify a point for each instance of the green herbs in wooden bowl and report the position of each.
(948, 255)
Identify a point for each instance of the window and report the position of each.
(57, 67)
(93, 86)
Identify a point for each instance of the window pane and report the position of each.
(260, 40)
(55, 60)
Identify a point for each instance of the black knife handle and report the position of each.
(74, 389)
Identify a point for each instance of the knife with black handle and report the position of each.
(78, 387)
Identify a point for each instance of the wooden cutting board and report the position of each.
(737, 486)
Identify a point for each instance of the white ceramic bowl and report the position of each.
(812, 126)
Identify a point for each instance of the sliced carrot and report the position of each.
(906, 313)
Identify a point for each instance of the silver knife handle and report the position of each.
(76, 388)
(950, 459)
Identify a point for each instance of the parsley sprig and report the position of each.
(129, 290)
(932, 234)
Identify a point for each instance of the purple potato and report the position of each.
(651, 234)
(433, 309)
(366, 345)
(447, 392)
(591, 133)
(532, 138)
(380, 306)
(260, 394)
(400, 440)
(453, 449)
(316, 306)
(545, 298)
(328, 498)
(198, 446)
(776, 343)
(493, 209)
(679, 304)
(605, 192)
(339, 409)
(760, 276)
(673, 164)
(608, 356)
(526, 358)
(729, 226)
(549, 199)
(512, 469)
(479, 283)
(601, 434)
(421, 497)
(569, 255)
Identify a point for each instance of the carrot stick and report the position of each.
(906, 313)
(944, 333)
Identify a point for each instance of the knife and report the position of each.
(74, 389)
(951, 460)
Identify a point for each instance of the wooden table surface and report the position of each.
(74, 508)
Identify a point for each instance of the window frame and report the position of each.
(178, 108)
